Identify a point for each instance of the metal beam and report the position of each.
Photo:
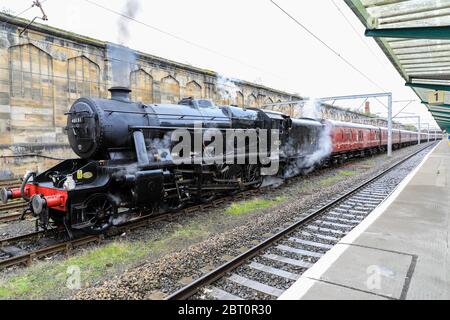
(435, 32)
(433, 76)
(441, 119)
(440, 114)
(428, 86)
(361, 12)
(357, 96)
(438, 108)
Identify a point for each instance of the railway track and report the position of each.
(13, 250)
(270, 268)
(9, 183)
(12, 205)
(12, 211)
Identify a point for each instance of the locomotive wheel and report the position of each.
(233, 173)
(253, 174)
(173, 205)
(207, 198)
(99, 210)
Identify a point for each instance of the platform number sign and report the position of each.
(436, 97)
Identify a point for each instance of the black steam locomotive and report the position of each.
(126, 165)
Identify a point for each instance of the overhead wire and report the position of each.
(172, 35)
(358, 34)
(325, 44)
(332, 50)
(9, 19)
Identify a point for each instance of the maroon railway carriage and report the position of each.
(351, 139)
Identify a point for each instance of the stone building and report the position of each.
(43, 70)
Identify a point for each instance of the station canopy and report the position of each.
(415, 36)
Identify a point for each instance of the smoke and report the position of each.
(129, 11)
(227, 88)
(122, 63)
(272, 181)
(307, 163)
(122, 58)
(325, 147)
(130, 169)
(312, 109)
(160, 148)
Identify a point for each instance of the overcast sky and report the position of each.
(250, 40)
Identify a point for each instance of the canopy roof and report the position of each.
(415, 36)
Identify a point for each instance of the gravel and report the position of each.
(16, 228)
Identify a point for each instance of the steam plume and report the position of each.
(226, 88)
(312, 109)
(122, 58)
(129, 11)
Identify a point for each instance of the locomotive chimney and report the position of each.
(120, 93)
(367, 107)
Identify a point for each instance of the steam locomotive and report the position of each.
(126, 166)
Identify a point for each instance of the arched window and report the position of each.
(170, 90)
(268, 101)
(239, 99)
(84, 77)
(194, 90)
(31, 74)
(141, 84)
(260, 99)
(251, 101)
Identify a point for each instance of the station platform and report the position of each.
(400, 251)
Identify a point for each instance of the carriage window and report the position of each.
(348, 135)
(360, 136)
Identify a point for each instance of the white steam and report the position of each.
(310, 160)
(325, 147)
(227, 88)
(160, 147)
(129, 12)
(122, 63)
(321, 149)
(123, 59)
(272, 181)
(312, 109)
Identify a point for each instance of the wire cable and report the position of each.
(402, 109)
(358, 34)
(20, 13)
(182, 39)
(326, 45)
